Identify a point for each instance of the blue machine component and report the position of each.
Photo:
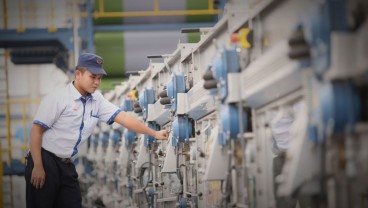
(327, 17)
(151, 194)
(182, 130)
(340, 104)
(130, 137)
(103, 139)
(76, 161)
(225, 62)
(183, 203)
(148, 139)
(147, 96)
(93, 141)
(88, 166)
(230, 123)
(335, 109)
(130, 188)
(127, 105)
(313, 133)
(174, 86)
(115, 137)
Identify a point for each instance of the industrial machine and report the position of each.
(269, 107)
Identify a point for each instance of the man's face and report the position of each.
(87, 81)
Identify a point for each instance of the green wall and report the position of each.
(110, 46)
(110, 6)
(109, 83)
(198, 4)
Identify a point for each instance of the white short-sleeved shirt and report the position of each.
(69, 119)
(283, 124)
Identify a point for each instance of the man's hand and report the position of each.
(131, 123)
(38, 172)
(38, 177)
(162, 135)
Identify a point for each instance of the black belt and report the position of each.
(64, 160)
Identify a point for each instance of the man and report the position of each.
(282, 126)
(65, 119)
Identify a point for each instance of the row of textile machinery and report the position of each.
(268, 109)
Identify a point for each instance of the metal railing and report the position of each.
(24, 103)
(9, 146)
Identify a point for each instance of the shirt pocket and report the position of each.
(90, 125)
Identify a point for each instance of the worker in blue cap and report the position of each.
(64, 120)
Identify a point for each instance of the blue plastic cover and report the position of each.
(103, 139)
(226, 61)
(127, 105)
(129, 137)
(323, 19)
(182, 130)
(147, 96)
(230, 125)
(115, 137)
(174, 86)
(148, 139)
(340, 104)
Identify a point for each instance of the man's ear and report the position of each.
(78, 74)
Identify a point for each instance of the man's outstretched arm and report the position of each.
(131, 123)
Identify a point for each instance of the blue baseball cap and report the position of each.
(92, 62)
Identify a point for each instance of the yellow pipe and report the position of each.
(210, 4)
(153, 13)
(52, 28)
(101, 6)
(21, 28)
(5, 15)
(135, 13)
(156, 6)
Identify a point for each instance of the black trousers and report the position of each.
(287, 202)
(61, 188)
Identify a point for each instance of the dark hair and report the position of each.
(81, 68)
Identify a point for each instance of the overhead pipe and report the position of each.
(156, 11)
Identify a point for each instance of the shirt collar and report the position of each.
(76, 94)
